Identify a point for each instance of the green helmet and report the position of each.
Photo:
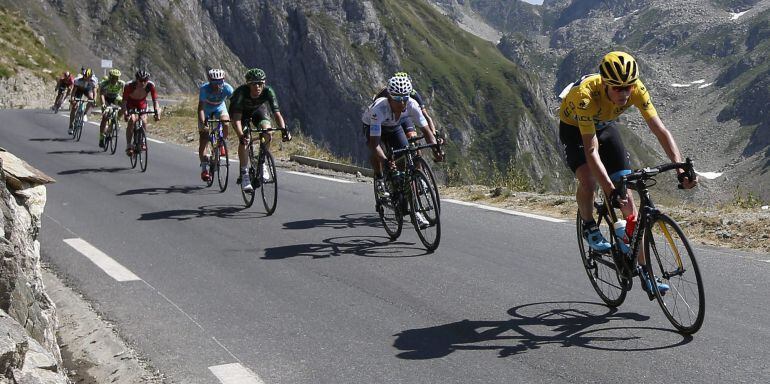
(255, 74)
(114, 72)
(401, 74)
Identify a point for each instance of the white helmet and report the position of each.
(216, 74)
(399, 86)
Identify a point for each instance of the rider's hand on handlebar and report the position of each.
(438, 155)
(617, 199)
(685, 182)
(156, 116)
(285, 135)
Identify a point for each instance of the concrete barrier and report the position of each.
(339, 167)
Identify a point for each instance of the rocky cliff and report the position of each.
(28, 349)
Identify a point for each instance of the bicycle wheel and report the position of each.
(670, 259)
(223, 165)
(600, 267)
(248, 197)
(142, 149)
(423, 202)
(421, 164)
(390, 210)
(269, 179)
(213, 162)
(114, 130)
(134, 156)
(77, 124)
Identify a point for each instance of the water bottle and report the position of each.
(620, 233)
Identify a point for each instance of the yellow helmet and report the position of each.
(619, 69)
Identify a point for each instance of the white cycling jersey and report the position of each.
(379, 115)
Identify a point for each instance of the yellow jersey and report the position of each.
(587, 104)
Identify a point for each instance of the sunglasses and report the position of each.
(400, 98)
(622, 89)
(257, 83)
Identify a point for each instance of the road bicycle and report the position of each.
(669, 256)
(112, 130)
(409, 192)
(139, 140)
(262, 172)
(219, 161)
(59, 100)
(80, 113)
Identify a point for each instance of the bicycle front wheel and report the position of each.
(670, 260)
(389, 210)
(114, 129)
(223, 165)
(77, 125)
(135, 155)
(142, 150)
(600, 267)
(421, 164)
(424, 211)
(269, 180)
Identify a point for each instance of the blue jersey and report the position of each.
(214, 102)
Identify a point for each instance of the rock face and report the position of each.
(28, 349)
(25, 90)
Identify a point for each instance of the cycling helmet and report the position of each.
(114, 72)
(401, 74)
(255, 74)
(399, 86)
(88, 73)
(619, 69)
(142, 75)
(216, 74)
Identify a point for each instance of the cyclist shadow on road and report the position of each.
(352, 220)
(62, 139)
(366, 246)
(204, 211)
(76, 152)
(94, 170)
(534, 326)
(183, 189)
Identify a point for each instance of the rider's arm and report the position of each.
(235, 121)
(666, 140)
(279, 120)
(201, 114)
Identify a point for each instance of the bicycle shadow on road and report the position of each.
(183, 189)
(75, 152)
(366, 246)
(61, 139)
(536, 325)
(204, 211)
(94, 170)
(352, 220)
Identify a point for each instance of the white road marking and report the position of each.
(106, 263)
(235, 374)
(321, 177)
(97, 124)
(154, 141)
(506, 211)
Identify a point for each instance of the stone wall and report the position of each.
(26, 90)
(29, 352)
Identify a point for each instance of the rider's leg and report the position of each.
(585, 192)
(130, 132)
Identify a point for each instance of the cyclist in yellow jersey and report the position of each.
(592, 144)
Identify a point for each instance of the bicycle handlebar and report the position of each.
(649, 172)
(140, 112)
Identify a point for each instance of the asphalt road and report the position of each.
(317, 294)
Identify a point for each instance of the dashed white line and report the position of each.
(97, 124)
(154, 141)
(106, 263)
(506, 211)
(235, 374)
(321, 177)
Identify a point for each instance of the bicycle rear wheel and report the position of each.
(421, 164)
(269, 180)
(223, 165)
(142, 150)
(114, 129)
(423, 202)
(248, 197)
(390, 210)
(213, 162)
(670, 259)
(600, 267)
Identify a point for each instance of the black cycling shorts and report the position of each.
(394, 137)
(612, 152)
(257, 116)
